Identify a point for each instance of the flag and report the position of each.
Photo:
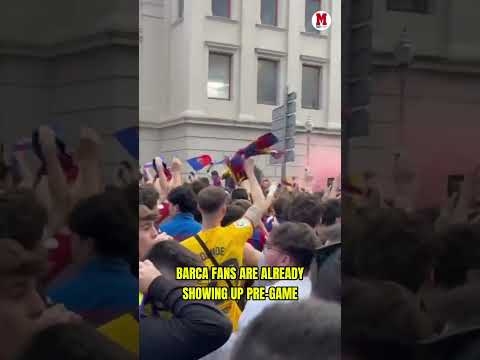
(128, 138)
(261, 146)
(69, 167)
(199, 162)
(153, 165)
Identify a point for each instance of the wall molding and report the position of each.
(314, 59)
(254, 125)
(430, 63)
(222, 47)
(93, 41)
(270, 53)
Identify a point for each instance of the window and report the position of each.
(267, 82)
(180, 8)
(269, 12)
(311, 7)
(311, 87)
(219, 76)
(221, 8)
(418, 6)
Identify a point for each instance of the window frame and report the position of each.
(319, 68)
(277, 79)
(427, 9)
(180, 9)
(308, 21)
(276, 24)
(229, 10)
(230, 61)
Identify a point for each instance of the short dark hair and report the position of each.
(280, 206)
(76, 341)
(314, 331)
(148, 196)
(240, 194)
(332, 211)
(381, 320)
(234, 213)
(198, 186)
(458, 252)
(305, 208)
(393, 246)
(107, 219)
(183, 197)
(204, 180)
(22, 217)
(211, 199)
(297, 240)
(169, 254)
(244, 204)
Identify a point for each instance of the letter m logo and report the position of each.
(321, 19)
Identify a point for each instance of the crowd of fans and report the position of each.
(410, 275)
(68, 249)
(72, 266)
(213, 221)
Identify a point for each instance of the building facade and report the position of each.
(212, 71)
(71, 68)
(430, 116)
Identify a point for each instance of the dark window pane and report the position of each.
(221, 8)
(219, 76)
(180, 8)
(311, 7)
(420, 6)
(311, 87)
(267, 82)
(269, 12)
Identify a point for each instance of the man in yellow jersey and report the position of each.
(228, 244)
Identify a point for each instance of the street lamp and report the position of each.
(404, 52)
(309, 129)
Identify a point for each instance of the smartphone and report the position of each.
(454, 184)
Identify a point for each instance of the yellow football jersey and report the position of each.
(226, 244)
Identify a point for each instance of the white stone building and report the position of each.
(212, 71)
(441, 93)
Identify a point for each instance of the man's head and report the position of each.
(381, 320)
(240, 194)
(305, 208)
(280, 206)
(332, 212)
(147, 233)
(168, 255)
(290, 244)
(265, 184)
(103, 225)
(20, 303)
(458, 255)
(234, 213)
(212, 203)
(300, 330)
(182, 199)
(393, 246)
(198, 185)
(22, 218)
(148, 196)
